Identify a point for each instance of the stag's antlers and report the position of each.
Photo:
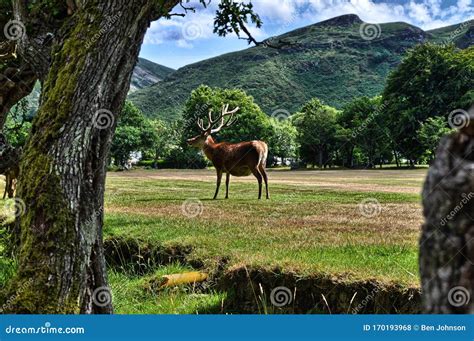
(224, 112)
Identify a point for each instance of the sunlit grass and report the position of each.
(312, 224)
(306, 226)
(132, 295)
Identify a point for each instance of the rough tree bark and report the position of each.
(447, 241)
(87, 58)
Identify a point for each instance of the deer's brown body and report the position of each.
(237, 159)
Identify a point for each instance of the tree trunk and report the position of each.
(447, 240)
(397, 161)
(64, 163)
(350, 160)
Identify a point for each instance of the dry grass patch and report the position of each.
(304, 227)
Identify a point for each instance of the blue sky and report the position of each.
(181, 41)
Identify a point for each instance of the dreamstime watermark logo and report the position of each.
(103, 119)
(14, 207)
(372, 116)
(281, 296)
(109, 23)
(46, 329)
(370, 31)
(465, 199)
(459, 296)
(192, 207)
(370, 297)
(192, 30)
(454, 34)
(11, 300)
(370, 207)
(281, 114)
(102, 296)
(458, 119)
(14, 30)
(283, 27)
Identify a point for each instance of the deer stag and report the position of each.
(237, 159)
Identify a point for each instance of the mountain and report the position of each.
(330, 60)
(147, 73)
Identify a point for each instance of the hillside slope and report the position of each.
(147, 73)
(329, 60)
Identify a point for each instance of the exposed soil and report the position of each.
(141, 257)
(250, 289)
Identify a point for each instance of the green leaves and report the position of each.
(317, 127)
(431, 81)
(232, 16)
(430, 133)
(252, 123)
(134, 133)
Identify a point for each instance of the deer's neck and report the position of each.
(209, 147)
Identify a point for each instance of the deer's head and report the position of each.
(213, 126)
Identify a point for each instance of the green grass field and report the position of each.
(313, 224)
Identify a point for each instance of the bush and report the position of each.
(184, 158)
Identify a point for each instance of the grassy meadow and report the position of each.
(313, 223)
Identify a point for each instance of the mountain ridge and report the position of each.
(147, 73)
(330, 60)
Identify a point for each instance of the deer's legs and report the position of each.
(257, 174)
(265, 178)
(219, 178)
(227, 179)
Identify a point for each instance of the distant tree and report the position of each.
(177, 152)
(430, 133)
(282, 142)
(365, 121)
(163, 141)
(18, 124)
(252, 123)
(344, 150)
(134, 133)
(346, 136)
(317, 127)
(431, 81)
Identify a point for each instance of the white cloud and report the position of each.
(181, 30)
(282, 14)
(199, 25)
(426, 14)
(184, 44)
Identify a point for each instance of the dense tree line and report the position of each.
(402, 126)
(164, 145)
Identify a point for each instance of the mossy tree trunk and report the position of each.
(92, 54)
(447, 240)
